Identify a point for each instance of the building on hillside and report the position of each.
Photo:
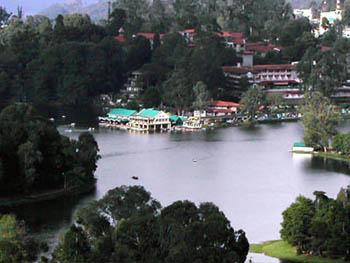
(134, 86)
(262, 48)
(346, 32)
(121, 38)
(328, 18)
(235, 40)
(221, 108)
(151, 37)
(150, 120)
(273, 79)
(188, 35)
(300, 13)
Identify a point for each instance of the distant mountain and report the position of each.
(96, 11)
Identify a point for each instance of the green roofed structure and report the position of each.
(150, 120)
(117, 116)
(120, 113)
(176, 120)
(149, 113)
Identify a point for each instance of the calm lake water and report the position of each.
(249, 173)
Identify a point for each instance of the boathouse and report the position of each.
(118, 116)
(150, 120)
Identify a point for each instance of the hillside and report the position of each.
(96, 11)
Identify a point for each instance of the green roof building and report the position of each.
(149, 113)
(150, 120)
(120, 114)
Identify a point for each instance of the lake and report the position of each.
(249, 173)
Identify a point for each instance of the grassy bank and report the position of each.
(333, 155)
(282, 250)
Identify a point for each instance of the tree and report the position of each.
(74, 247)
(178, 91)
(329, 73)
(319, 227)
(128, 225)
(116, 22)
(4, 16)
(36, 158)
(15, 244)
(297, 223)
(320, 119)
(201, 95)
(251, 101)
(136, 13)
(341, 143)
(152, 97)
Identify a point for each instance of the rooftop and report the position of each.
(121, 112)
(221, 103)
(148, 113)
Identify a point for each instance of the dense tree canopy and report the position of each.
(128, 225)
(15, 244)
(320, 227)
(34, 157)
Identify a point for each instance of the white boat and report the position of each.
(193, 123)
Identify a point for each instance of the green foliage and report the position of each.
(251, 101)
(319, 227)
(297, 223)
(4, 16)
(15, 245)
(324, 71)
(152, 97)
(341, 143)
(320, 119)
(128, 225)
(35, 157)
(201, 96)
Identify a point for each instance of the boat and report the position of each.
(192, 124)
(135, 178)
(300, 147)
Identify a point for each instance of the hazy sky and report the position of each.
(32, 6)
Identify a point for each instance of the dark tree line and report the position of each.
(73, 61)
(319, 227)
(34, 157)
(128, 225)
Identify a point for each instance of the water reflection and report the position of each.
(320, 163)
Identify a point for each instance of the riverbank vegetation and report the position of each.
(284, 251)
(320, 120)
(128, 225)
(35, 158)
(319, 227)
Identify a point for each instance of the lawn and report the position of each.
(282, 250)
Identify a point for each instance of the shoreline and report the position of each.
(46, 196)
(333, 156)
(282, 250)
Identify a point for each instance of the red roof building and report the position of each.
(262, 48)
(221, 108)
(121, 38)
(277, 78)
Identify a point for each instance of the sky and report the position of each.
(32, 6)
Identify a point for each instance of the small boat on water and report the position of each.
(300, 147)
(135, 178)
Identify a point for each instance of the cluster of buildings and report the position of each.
(151, 120)
(273, 79)
(324, 18)
(235, 40)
